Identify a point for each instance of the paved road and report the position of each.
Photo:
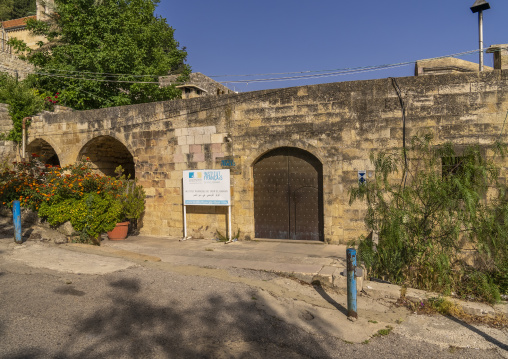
(144, 309)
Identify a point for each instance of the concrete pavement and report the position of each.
(279, 297)
(306, 261)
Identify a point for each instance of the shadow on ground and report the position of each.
(319, 288)
(484, 335)
(132, 327)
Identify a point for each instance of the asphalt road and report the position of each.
(152, 310)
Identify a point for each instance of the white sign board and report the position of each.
(206, 188)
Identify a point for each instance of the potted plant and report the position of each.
(132, 201)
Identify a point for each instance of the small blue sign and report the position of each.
(362, 177)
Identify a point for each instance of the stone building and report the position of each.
(198, 85)
(16, 28)
(293, 152)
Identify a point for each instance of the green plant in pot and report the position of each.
(132, 202)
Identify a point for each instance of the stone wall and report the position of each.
(339, 123)
(12, 64)
(7, 148)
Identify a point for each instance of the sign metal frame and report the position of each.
(206, 188)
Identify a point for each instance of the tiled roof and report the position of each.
(16, 22)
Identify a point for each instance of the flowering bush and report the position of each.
(93, 203)
(50, 102)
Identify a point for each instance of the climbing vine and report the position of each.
(23, 101)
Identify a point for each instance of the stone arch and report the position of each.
(288, 195)
(300, 144)
(44, 151)
(107, 153)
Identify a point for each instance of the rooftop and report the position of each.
(12, 24)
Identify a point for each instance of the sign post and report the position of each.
(206, 188)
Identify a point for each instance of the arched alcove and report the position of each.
(107, 153)
(44, 151)
(288, 195)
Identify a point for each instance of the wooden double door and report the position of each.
(288, 195)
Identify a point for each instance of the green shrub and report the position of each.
(425, 212)
(92, 203)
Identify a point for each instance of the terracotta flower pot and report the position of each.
(119, 232)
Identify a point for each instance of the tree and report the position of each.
(14, 10)
(6, 7)
(105, 53)
(444, 203)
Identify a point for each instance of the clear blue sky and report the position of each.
(235, 37)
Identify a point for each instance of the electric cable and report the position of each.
(403, 106)
(302, 75)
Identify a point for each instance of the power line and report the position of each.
(299, 75)
(350, 69)
(95, 79)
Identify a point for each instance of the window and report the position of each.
(451, 166)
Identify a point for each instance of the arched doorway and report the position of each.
(288, 195)
(107, 153)
(45, 151)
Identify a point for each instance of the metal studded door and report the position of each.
(288, 192)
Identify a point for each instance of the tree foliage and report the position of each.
(444, 226)
(23, 101)
(96, 50)
(10, 9)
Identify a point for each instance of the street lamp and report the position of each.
(478, 7)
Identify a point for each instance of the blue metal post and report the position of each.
(16, 213)
(351, 283)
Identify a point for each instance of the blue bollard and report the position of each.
(351, 283)
(16, 213)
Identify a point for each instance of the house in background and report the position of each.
(17, 27)
(198, 85)
(452, 65)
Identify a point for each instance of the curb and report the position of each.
(109, 251)
(392, 292)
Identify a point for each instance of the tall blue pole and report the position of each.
(16, 213)
(351, 283)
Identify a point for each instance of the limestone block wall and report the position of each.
(7, 148)
(339, 123)
(11, 64)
